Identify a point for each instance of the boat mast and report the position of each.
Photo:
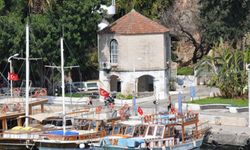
(27, 78)
(63, 85)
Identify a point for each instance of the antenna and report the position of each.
(113, 2)
(62, 28)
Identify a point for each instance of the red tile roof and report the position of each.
(134, 23)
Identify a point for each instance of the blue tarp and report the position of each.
(122, 142)
(134, 142)
(131, 143)
(60, 132)
(106, 140)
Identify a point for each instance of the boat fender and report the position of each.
(82, 146)
(248, 141)
(36, 94)
(43, 92)
(194, 142)
(146, 118)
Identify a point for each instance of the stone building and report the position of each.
(134, 55)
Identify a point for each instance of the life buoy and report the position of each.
(146, 118)
(115, 142)
(36, 94)
(172, 110)
(43, 92)
(16, 91)
(5, 108)
(98, 109)
(151, 118)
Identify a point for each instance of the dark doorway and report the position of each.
(115, 84)
(146, 83)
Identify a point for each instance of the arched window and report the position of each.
(113, 52)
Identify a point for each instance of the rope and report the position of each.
(5, 67)
(20, 68)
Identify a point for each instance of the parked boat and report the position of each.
(21, 137)
(160, 131)
(87, 129)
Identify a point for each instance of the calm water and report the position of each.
(222, 147)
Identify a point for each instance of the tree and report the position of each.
(38, 6)
(153, 9)
(228, 19)
(77, 20)
(229, 72)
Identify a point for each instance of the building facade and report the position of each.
(134, 55)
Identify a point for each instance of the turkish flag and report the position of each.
(12, 76)
(104, 92)
(140, 111)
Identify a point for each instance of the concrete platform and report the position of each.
(224, 117)
(229, 135)
(227, 128)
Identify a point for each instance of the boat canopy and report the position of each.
(41, 116)
(66, 133)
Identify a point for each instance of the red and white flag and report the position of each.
(13, 76)
(140, 111)
(103, 93)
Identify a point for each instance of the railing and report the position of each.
(87, 136)
(170, 118)
(159, 143)
(22, 135)
(187, 117)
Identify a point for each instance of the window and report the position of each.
(113, 51)
(151, 130)
(129, 130)
(159, 130)
(116, 129)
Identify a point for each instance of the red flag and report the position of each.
(140, 111)
(104, 92)
(12, 76)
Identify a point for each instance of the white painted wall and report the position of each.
(138, 55)
(128, 81)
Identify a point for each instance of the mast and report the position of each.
(63, 85)
(27, 77)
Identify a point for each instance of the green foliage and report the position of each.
(229, 72)
(229, 19)
(11, 40)
(185, 71)
(77, 19)
(220, 100)
(150, 8)
(121, 96)
(76, 95)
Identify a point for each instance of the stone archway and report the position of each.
(115, 84)
(145, 84)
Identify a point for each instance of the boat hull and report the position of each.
(16, 144)
(186, 146)
(61, 146)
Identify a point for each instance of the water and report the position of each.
(222, 147)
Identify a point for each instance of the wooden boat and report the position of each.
(20, 137)
(85, 131)
(160, 131)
